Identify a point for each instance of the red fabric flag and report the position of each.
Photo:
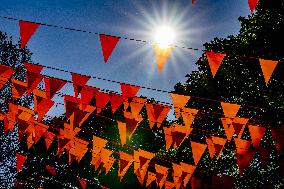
(101, 100)
(20, 161)
(197, 151)
(214, 60)
(40, 130)
(161, 175)
(277, 134)
(87, 94)
(51, 170)
(33, 76)
(179, 102)
(267, 67)
(115, 101)
(256, 133)
(49, 137)
(71, 105)
(83, 183)
(252, 4)
(108, 44)
(193, 2)
(43, 108)
(244, 160)
(18, 88)
(129, 91)
(27, 29)
(5, 74)
(157, 113)
(52, 85)
(79, 81)
(125, 161)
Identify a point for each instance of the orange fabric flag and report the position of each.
(27, 29)
(230, 110)
(161, 175)
(142, 159)
(79, 81)
(40, 129)
(98, 145)
(122, 132)
(115, 101)
(108, 164)
(52, 85)
(242, 146)
(108, 44)
(252, 4)
(214, 60)
(136, 105)
(157, 113)
(81, 148)
(101, 100)
(162, 55)
(150, 178)
(256, 133)
(188, 115)
(168, 137)
(179, 102)
(267, 67)
(169, 185)
(20, 161)
(18, 88)
(125, 161)
(197, 151)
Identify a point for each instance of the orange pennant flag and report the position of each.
(122, 132)
(230, 110)
(40, 130)
(157, 113)
(242, 146)
(252, 4)
(125, 161)
(179, 102)
(108, 164)
(215, 145)
(27, 29)
(267, 67)
(161, 175)
(214, 60)
(52, 85)
(168, 137)
(142, 159)
(150, 178)
(79, 81)
(256, 133)
(101, 100)
(20, 161)
(162, 55)
(136, 105)
(98, 145)
(188, 115)
(169, 185)
(108, 44)
(18, 88)
(49, 137)
(197, 151)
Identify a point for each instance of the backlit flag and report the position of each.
(252, 4)
(267, 67)
(27, 29)
(214, 60)
(162, 55)
(108, 44)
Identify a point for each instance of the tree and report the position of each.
(11, 55)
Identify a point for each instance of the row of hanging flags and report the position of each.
(78, 108)
(108, 42)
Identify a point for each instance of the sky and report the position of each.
(131, 62)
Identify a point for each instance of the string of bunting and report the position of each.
(79, 109)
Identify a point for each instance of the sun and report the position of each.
(164, 36)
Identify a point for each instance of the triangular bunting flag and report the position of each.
(5, 74)
(179, 102)
(244, 160)
(40, 130)
(252, 4)
(101, 100)
(125, 162)
(83, 183)
(197, 151)
(161, 175)
(33, 76)
(122, 132)
(267, 67)
(157, 113)
(256, 133)
(52, 85)
(214, 60)
(18, 89)
(115, 101)
(49, 137)
(27, 29)
(87, 94)
(129, 91)
(20, 161)
(108, 43)
(150, 178)
(51, 170)
(277, 135)
(230, 110)
(79, 81)
(162, 55)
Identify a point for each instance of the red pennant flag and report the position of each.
(87, 94)
(71, 105)
(179, 102)
(197, 151)
(161, 175)
(83, 183)
(125, 162)
(51, 170)
(252, 4)
(256, 133)
(267, 67)
(108, 43)
(142, 159)
(101, 100)
(40, 130)
(49, 137)
(193, 2)
(277, 134)
(214, 60)
(129, 91)
(157, 113)
(33, 76)
(5, 74)
(215, 145)
(43, 107)
(52, 85)
(115, 101)
(244, 160)
(27, 29)
(18, 88)
(20, 161)
(79, 81)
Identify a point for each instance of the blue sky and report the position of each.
(132, 62)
